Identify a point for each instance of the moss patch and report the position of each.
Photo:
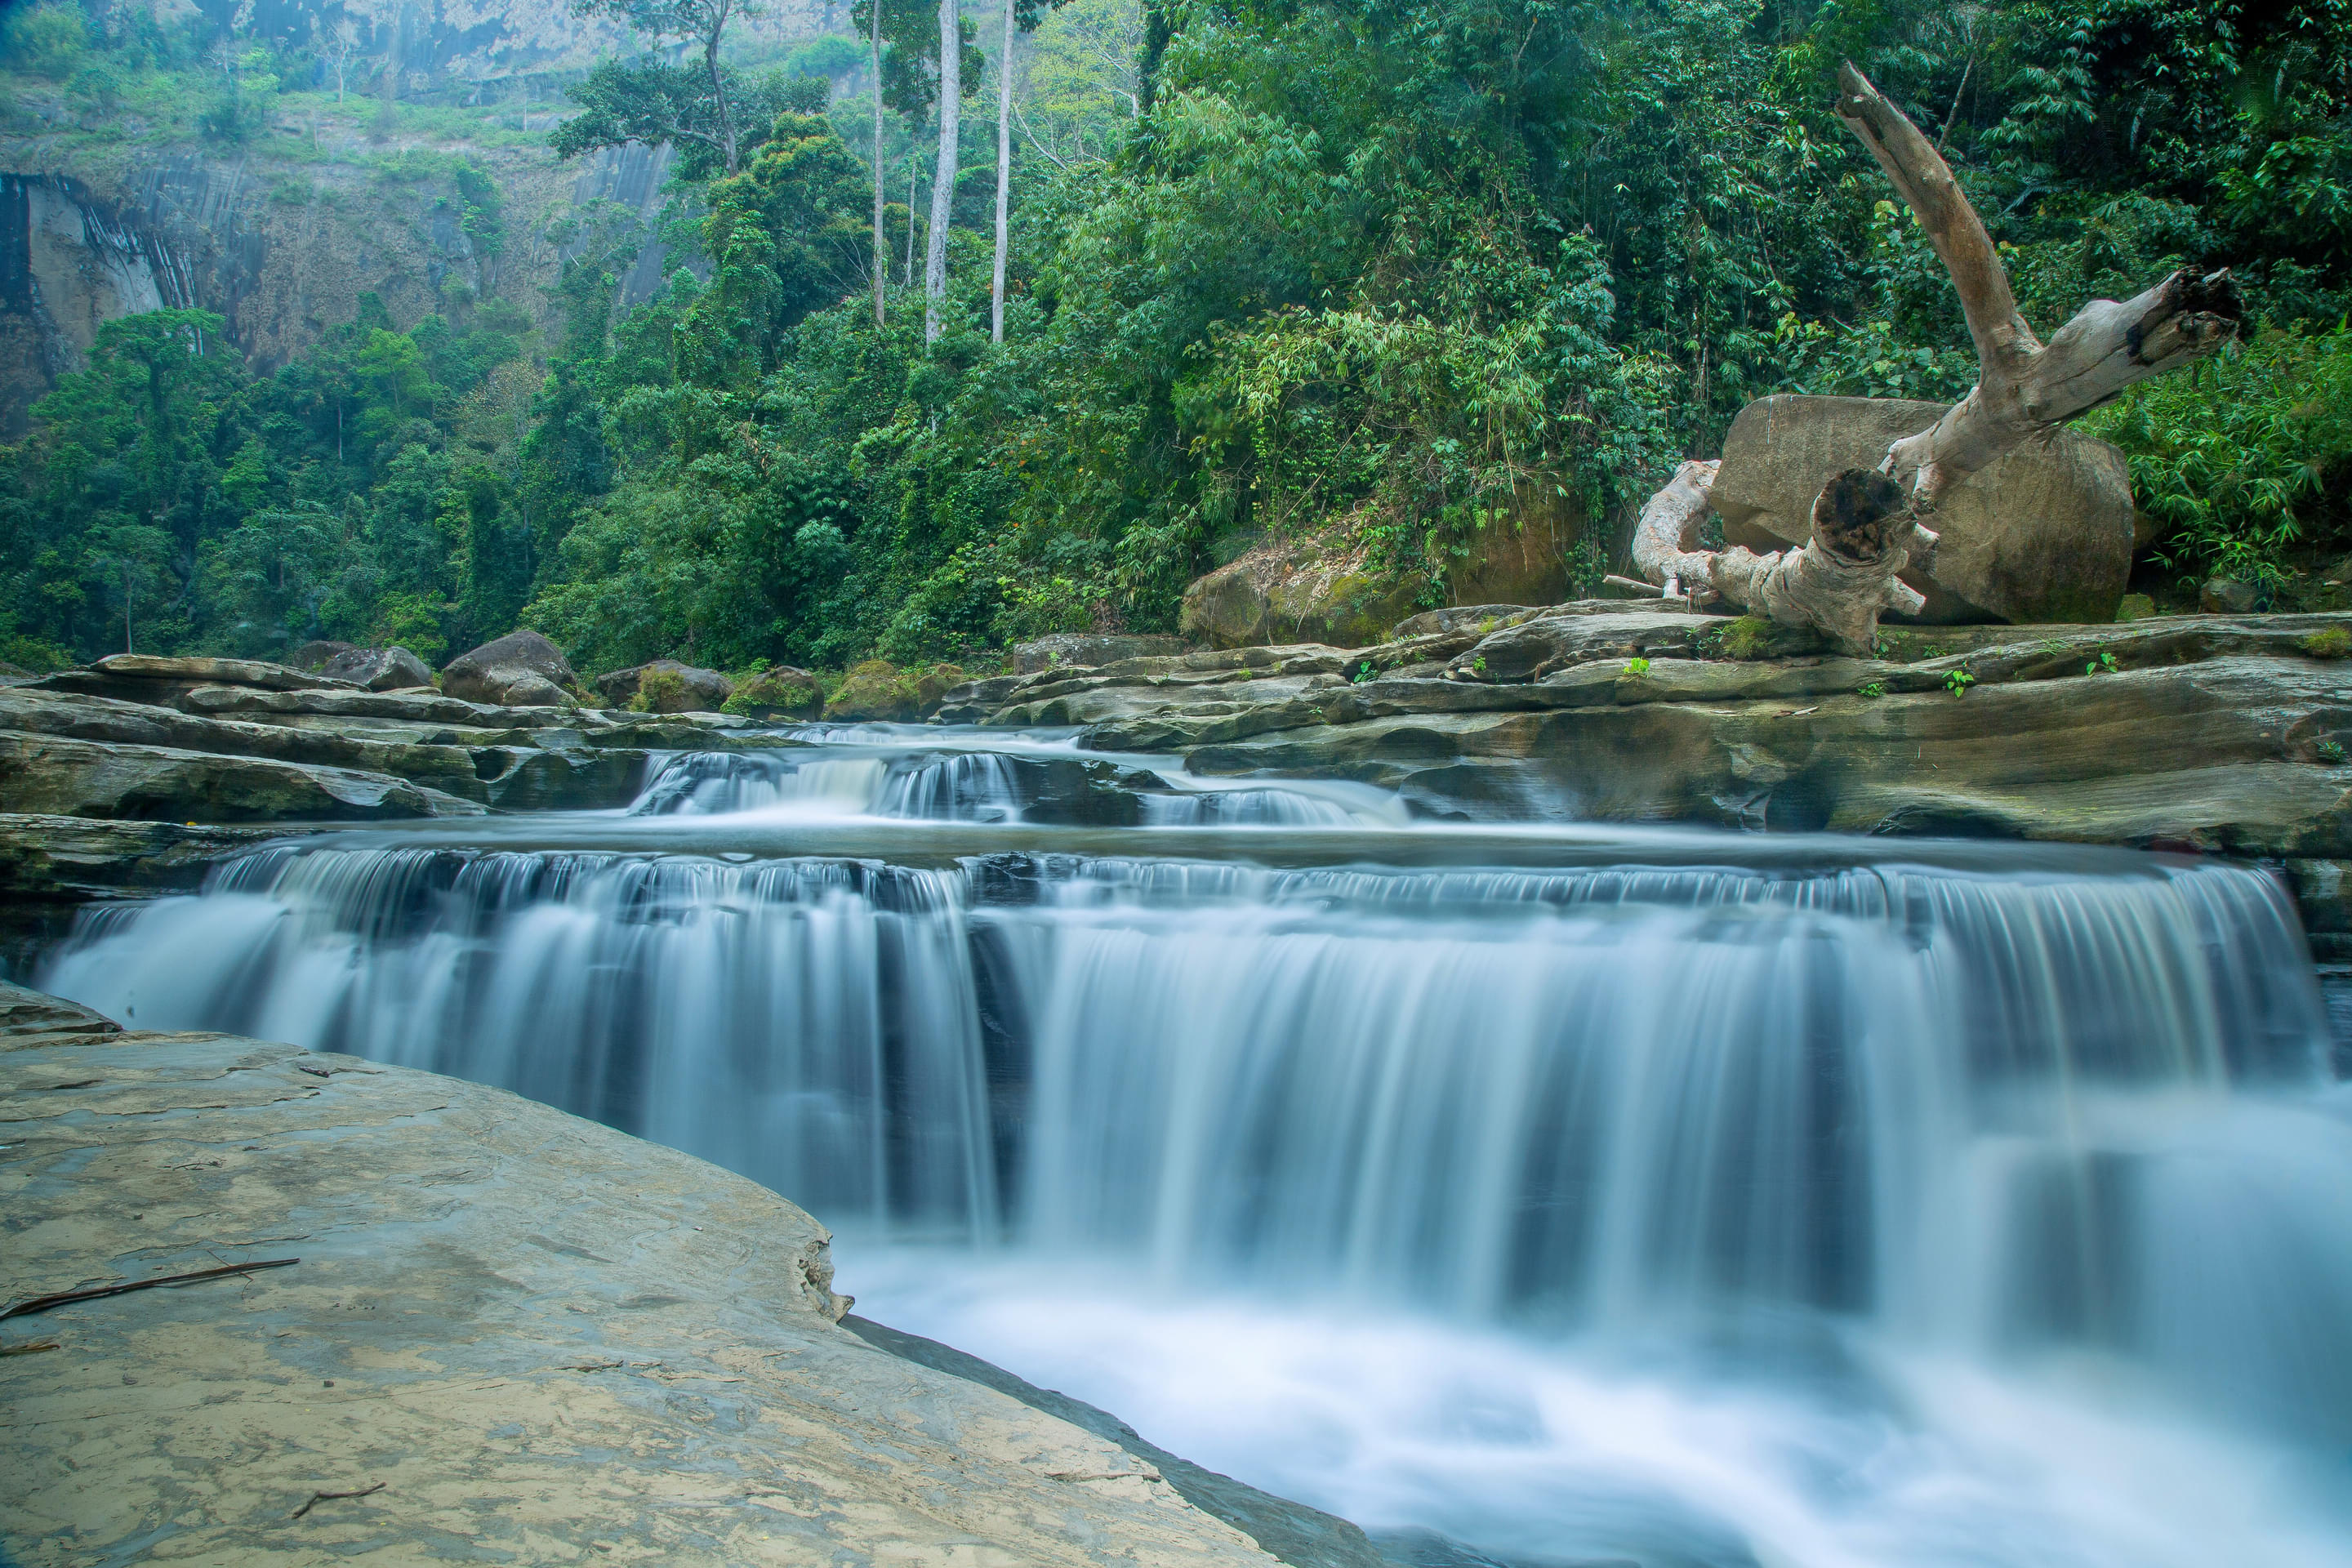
(2334, 642)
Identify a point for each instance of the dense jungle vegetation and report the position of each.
(1409, 269)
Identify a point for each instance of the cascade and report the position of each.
(1704, 1199)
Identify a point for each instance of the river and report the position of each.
(1526, 1193)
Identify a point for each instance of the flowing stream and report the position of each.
(1527, 1194)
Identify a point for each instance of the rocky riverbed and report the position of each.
(2209, 733)
(508, 1333)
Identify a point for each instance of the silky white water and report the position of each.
(1692, 1201)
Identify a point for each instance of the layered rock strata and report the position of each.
(2217, 734)
(225, 741)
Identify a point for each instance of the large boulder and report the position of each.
(378, 668)
(1078, 650)
(1326, 588)
(1302, 592)
(313, 654)
(2044, 534)
(522, 670)
(666, 685)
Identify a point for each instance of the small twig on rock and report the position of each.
(29, 1347)
(317, 1498)
(1639, 590)
(43, 1303)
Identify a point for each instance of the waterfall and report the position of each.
(862, 777)
(1686, 1180)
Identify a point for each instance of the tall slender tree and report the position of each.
(943, 180)
(881, 252)
(1004, 174)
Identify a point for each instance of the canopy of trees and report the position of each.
(1412, 269)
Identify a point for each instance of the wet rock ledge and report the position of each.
(512, 1335)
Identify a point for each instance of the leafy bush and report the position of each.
(661, 691)
(2243, 458)
(48, 40)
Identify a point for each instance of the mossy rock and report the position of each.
(783, 693)
(2333, 642)
(881, 691)
(1752, 638)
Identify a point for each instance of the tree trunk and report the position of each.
(881, 250)
(943, 179)
(1003, 176)
(719, 90)
(1866, 524)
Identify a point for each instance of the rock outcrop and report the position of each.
(1083, 649)
(378, 668)
(508, 1333)
(2042, 535)
(1326, 588)
(225, 741)
(521, 670)
(313, 655)
(1306, 592)
(80, 778)
(667, 687)
(2194, 732)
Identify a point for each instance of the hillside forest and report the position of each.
(1398, 274)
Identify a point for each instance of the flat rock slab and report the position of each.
(512, 1336)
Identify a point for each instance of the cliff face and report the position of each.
(280, 254)
(349, 186)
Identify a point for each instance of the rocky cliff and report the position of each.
(341, 186)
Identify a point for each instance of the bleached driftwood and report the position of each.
(1866, 525)
(1839, 580)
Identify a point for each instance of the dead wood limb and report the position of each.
(317, 1498)
(43, 1303)
(2023, 387)
(1838, 580)
(1867, 527)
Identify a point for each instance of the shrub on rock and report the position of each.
(879, 689)
(666, 685)
(784, 692)
(522, 670)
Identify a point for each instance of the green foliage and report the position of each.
(777, 694)
(1871, 689)
(2244, 458)
(1748, 637)
(2102, 664)
(661, 691)
(1957, 681)
(1396, 280)
(48, 40)
(2330, 751)
(2334, 642)
(1637, 667)
(234, 515)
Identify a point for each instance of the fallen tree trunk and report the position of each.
(1868, 526)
